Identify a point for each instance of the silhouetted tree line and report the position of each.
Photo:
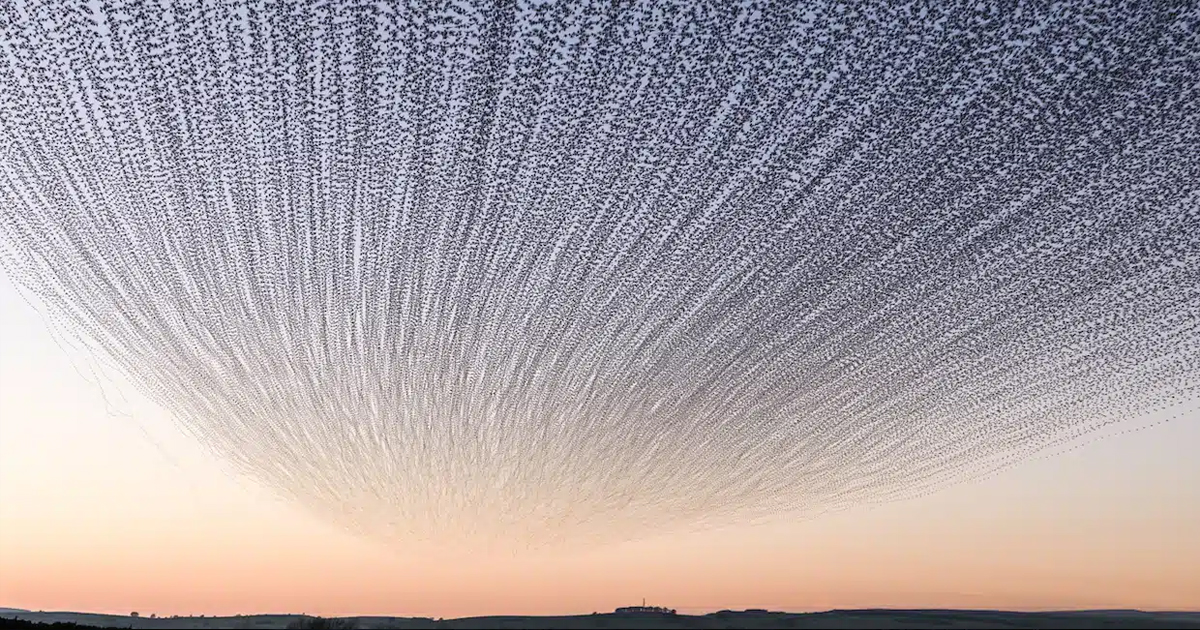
(321, 623)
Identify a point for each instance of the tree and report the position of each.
(320, 623)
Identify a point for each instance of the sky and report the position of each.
(522, 307)
(114, 514)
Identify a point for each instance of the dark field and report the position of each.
(832, 619)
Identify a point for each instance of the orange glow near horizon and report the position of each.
(98, 516)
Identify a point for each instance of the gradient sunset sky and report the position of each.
(465, 308)
(96, 516)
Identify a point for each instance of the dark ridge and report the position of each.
(764, 619)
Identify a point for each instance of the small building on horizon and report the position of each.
(644, 609)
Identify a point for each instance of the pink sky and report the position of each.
(96, 517)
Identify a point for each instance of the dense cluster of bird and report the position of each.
(564, 271)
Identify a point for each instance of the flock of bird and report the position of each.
(562, 272)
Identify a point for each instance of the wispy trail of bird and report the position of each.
(529, 271)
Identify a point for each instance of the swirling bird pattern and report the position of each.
(498, 272)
